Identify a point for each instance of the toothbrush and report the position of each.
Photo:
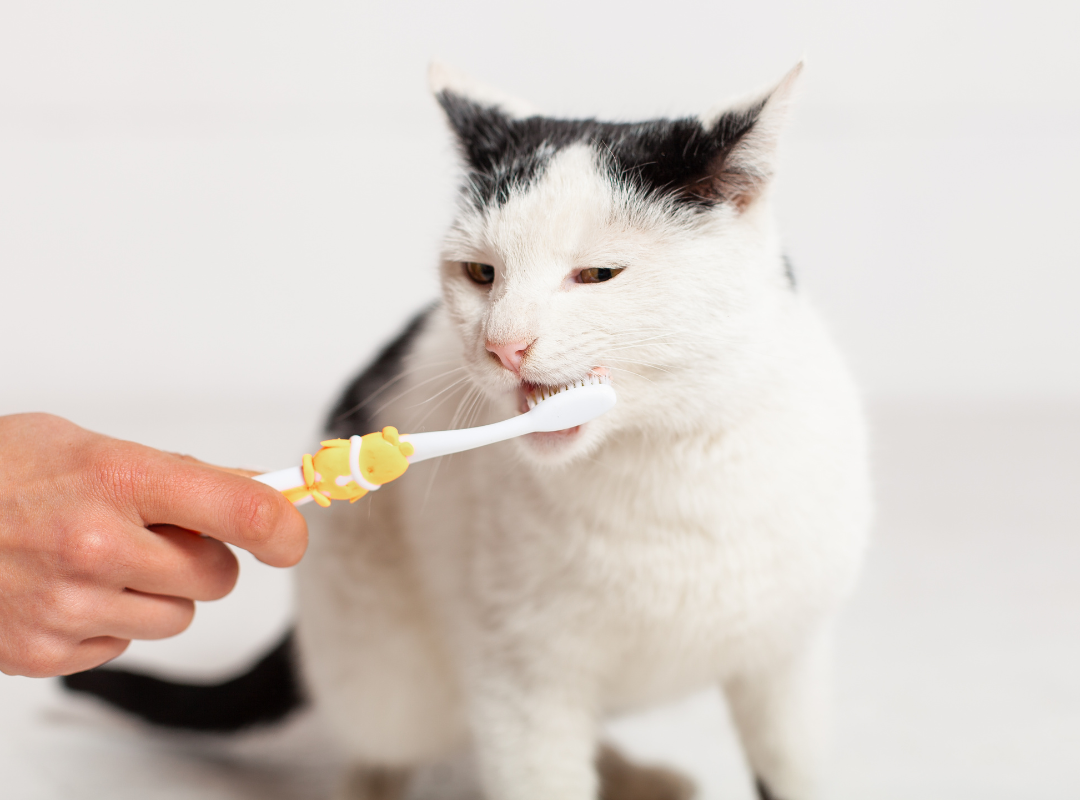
(347, 469)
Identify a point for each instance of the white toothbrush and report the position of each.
(347, 469)
(553, 410)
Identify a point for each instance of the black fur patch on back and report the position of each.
(789, 272)
(763, 792)
(663, 157)
(266, 693)
(355, 411)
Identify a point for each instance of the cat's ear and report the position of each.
(746, 138)
(445, 80)
(478, 115)
(468, 102)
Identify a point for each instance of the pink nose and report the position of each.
(510, 354)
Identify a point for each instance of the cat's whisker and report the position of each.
(402, 375)
(440, 392)
(473, 410)
(466, 407)
(648, 330)
(477, 408)
(637, 329)
(650, 344)
(611, 350)
(470, 396)
(416, 425)
(480, 406)
(651, 365)
(431, 483)
(414, 387)
(624, 345)
(665, 328)
(664, 334)
(396, 379)
(636, 374)
(462, 400)
(660, 367)
(459, 412)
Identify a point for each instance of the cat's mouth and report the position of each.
(544, 439)
(535, 392)
(530, 390)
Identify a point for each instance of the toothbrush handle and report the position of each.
(440, 443)
(426, 445)
(285, 479)
(290, 478)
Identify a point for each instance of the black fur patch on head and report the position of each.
(679, 159)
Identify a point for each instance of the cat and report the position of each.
(704, 532)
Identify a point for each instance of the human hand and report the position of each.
(98, 542)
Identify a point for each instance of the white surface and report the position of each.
(957, 665)
(181, 179)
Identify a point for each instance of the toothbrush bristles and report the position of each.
(541, 393)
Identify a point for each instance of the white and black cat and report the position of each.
(703, 532)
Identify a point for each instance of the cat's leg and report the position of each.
(533, 743)
(360, 782)
(781, 711)
(372, 658)
(533, 750)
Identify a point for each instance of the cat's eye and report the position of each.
(598, 274)
(480, 273)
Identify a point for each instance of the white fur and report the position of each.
(704, 531)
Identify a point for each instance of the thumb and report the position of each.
(223, 503)
(243, 473)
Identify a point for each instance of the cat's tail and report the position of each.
(264, 694)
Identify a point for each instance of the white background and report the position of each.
(194, 194)
(211, 213)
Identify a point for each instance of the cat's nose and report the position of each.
(511, 354)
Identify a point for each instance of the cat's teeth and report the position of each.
(539, 394)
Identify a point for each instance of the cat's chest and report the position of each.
(662, 570)
(708, 527)
(644, 540)
(659, 581)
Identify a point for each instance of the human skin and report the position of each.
(100, 544)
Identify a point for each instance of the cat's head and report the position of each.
(642, 250)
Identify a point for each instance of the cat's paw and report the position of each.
(622, 779)
(367, 783)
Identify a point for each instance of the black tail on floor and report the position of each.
(264, 694)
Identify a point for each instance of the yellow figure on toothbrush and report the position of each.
(327, 476)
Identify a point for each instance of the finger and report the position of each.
(92, 653)
(246, 473)
(135, 615)
(167, 489)
(181, 563)
(165, 560)
(51, 657)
